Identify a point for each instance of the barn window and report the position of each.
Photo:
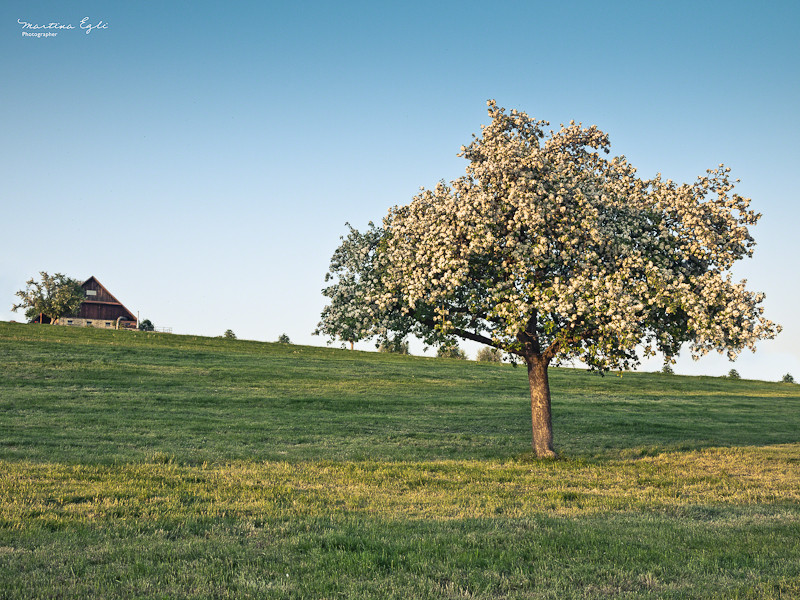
(108, 324)
(91, 292)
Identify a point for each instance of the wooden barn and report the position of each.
(100, 309)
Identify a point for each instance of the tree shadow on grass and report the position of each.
(653, 413)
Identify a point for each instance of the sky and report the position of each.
(201, 159)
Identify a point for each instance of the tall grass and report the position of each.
(153, 466)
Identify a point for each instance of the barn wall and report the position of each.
(98, 323)
(89, 310)
(100, 295)
(100, 305)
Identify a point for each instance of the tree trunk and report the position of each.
(540, 407)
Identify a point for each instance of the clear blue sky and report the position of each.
(201, 159)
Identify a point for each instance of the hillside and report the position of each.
(142, 465)
(110, 396)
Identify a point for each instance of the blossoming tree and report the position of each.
(549, 251)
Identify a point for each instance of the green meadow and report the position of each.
(144, 465)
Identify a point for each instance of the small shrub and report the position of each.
(146, 325)
(788, 378)
(489, 354)
(284, 339)
(451, 351)
(395, 346)
(667, 369)
(734, 374)
(229, 334)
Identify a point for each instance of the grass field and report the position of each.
(136, 465)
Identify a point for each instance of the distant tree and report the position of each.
(551, 252)
(788, 378)
(667, 368)
(55, 297)
(451, 351)
(734, 374)
(284, 339)
(229, 334)
(489, 354)
(395, 345)
(146, 325)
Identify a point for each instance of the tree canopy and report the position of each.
(55, 296)
(549, 251)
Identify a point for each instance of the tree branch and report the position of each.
(467, 335)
